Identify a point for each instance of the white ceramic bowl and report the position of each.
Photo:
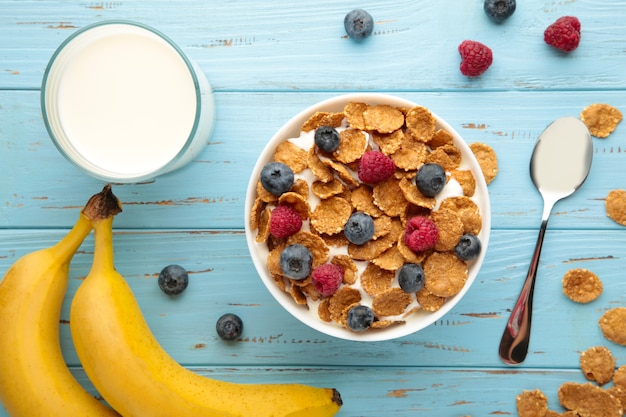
(258, 251)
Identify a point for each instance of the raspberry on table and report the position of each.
(375, 167)
(421, 234)
(563, 34)
(476, 58)
(327, 278)
(284, 222)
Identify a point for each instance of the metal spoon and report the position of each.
(559, 165)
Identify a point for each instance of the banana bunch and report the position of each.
(138, 378)
(118, 351)
(34, 379)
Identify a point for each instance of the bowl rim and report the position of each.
(291, 129)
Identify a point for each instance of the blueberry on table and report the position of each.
(327, 138)
(430, 179)
(468, 247)
(359, 24)
(173, 279)
(499, 10)
(360, 318)
(411, 278)
(229, 326)
(296, 261)
(277, 178)
(359, 228)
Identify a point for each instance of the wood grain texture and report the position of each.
(267, 62)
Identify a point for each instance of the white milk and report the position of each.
(122, 102)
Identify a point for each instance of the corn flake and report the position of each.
(487, 159)
(383, 118)
(589, 400)
(291, 155)
(343, 298)
(388, 143)
(376, 280)
(450, 228)
(421, 123)
(327, 189)
(322, 118)
(581, 285)
(350, 271)
(597, 364)
(467, 181)
(391, 302)
(531, 403)
(468, 212)
(445, 274)
(354, 114)
(613, 325)
(296, 201)
(429, 301)
(601, 119)
(331, 215)
(389, 198)
(615, 205)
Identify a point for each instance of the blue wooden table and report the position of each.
(266, 62)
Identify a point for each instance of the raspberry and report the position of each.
(284, 222)
(375, 166)
(420, 234)
(564, 34)
(327, 278)
(475, 58)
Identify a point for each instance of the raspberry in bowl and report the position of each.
(389, 199)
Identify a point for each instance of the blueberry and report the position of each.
(430, 179)
(327, 138)
(296, 261)
(229, 326)
(499, 10)
(359, 228)
(360, 318)
(277, 178)
(411, 278)
(173, 279)
(468, 247)
(359, 24)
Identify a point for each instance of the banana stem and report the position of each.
(66, 247)
(101, 205)
(103, 241)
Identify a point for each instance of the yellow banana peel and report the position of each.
(34, 379)
(136, 375)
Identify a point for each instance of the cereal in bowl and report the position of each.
(361, 210)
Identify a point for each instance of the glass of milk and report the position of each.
(124, 103)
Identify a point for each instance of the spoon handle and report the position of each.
(516, 336)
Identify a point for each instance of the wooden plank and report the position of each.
(405, 391)
(246, 45)
(39, 188)
(223, 279)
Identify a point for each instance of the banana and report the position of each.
(136, 375)
(34, 379)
